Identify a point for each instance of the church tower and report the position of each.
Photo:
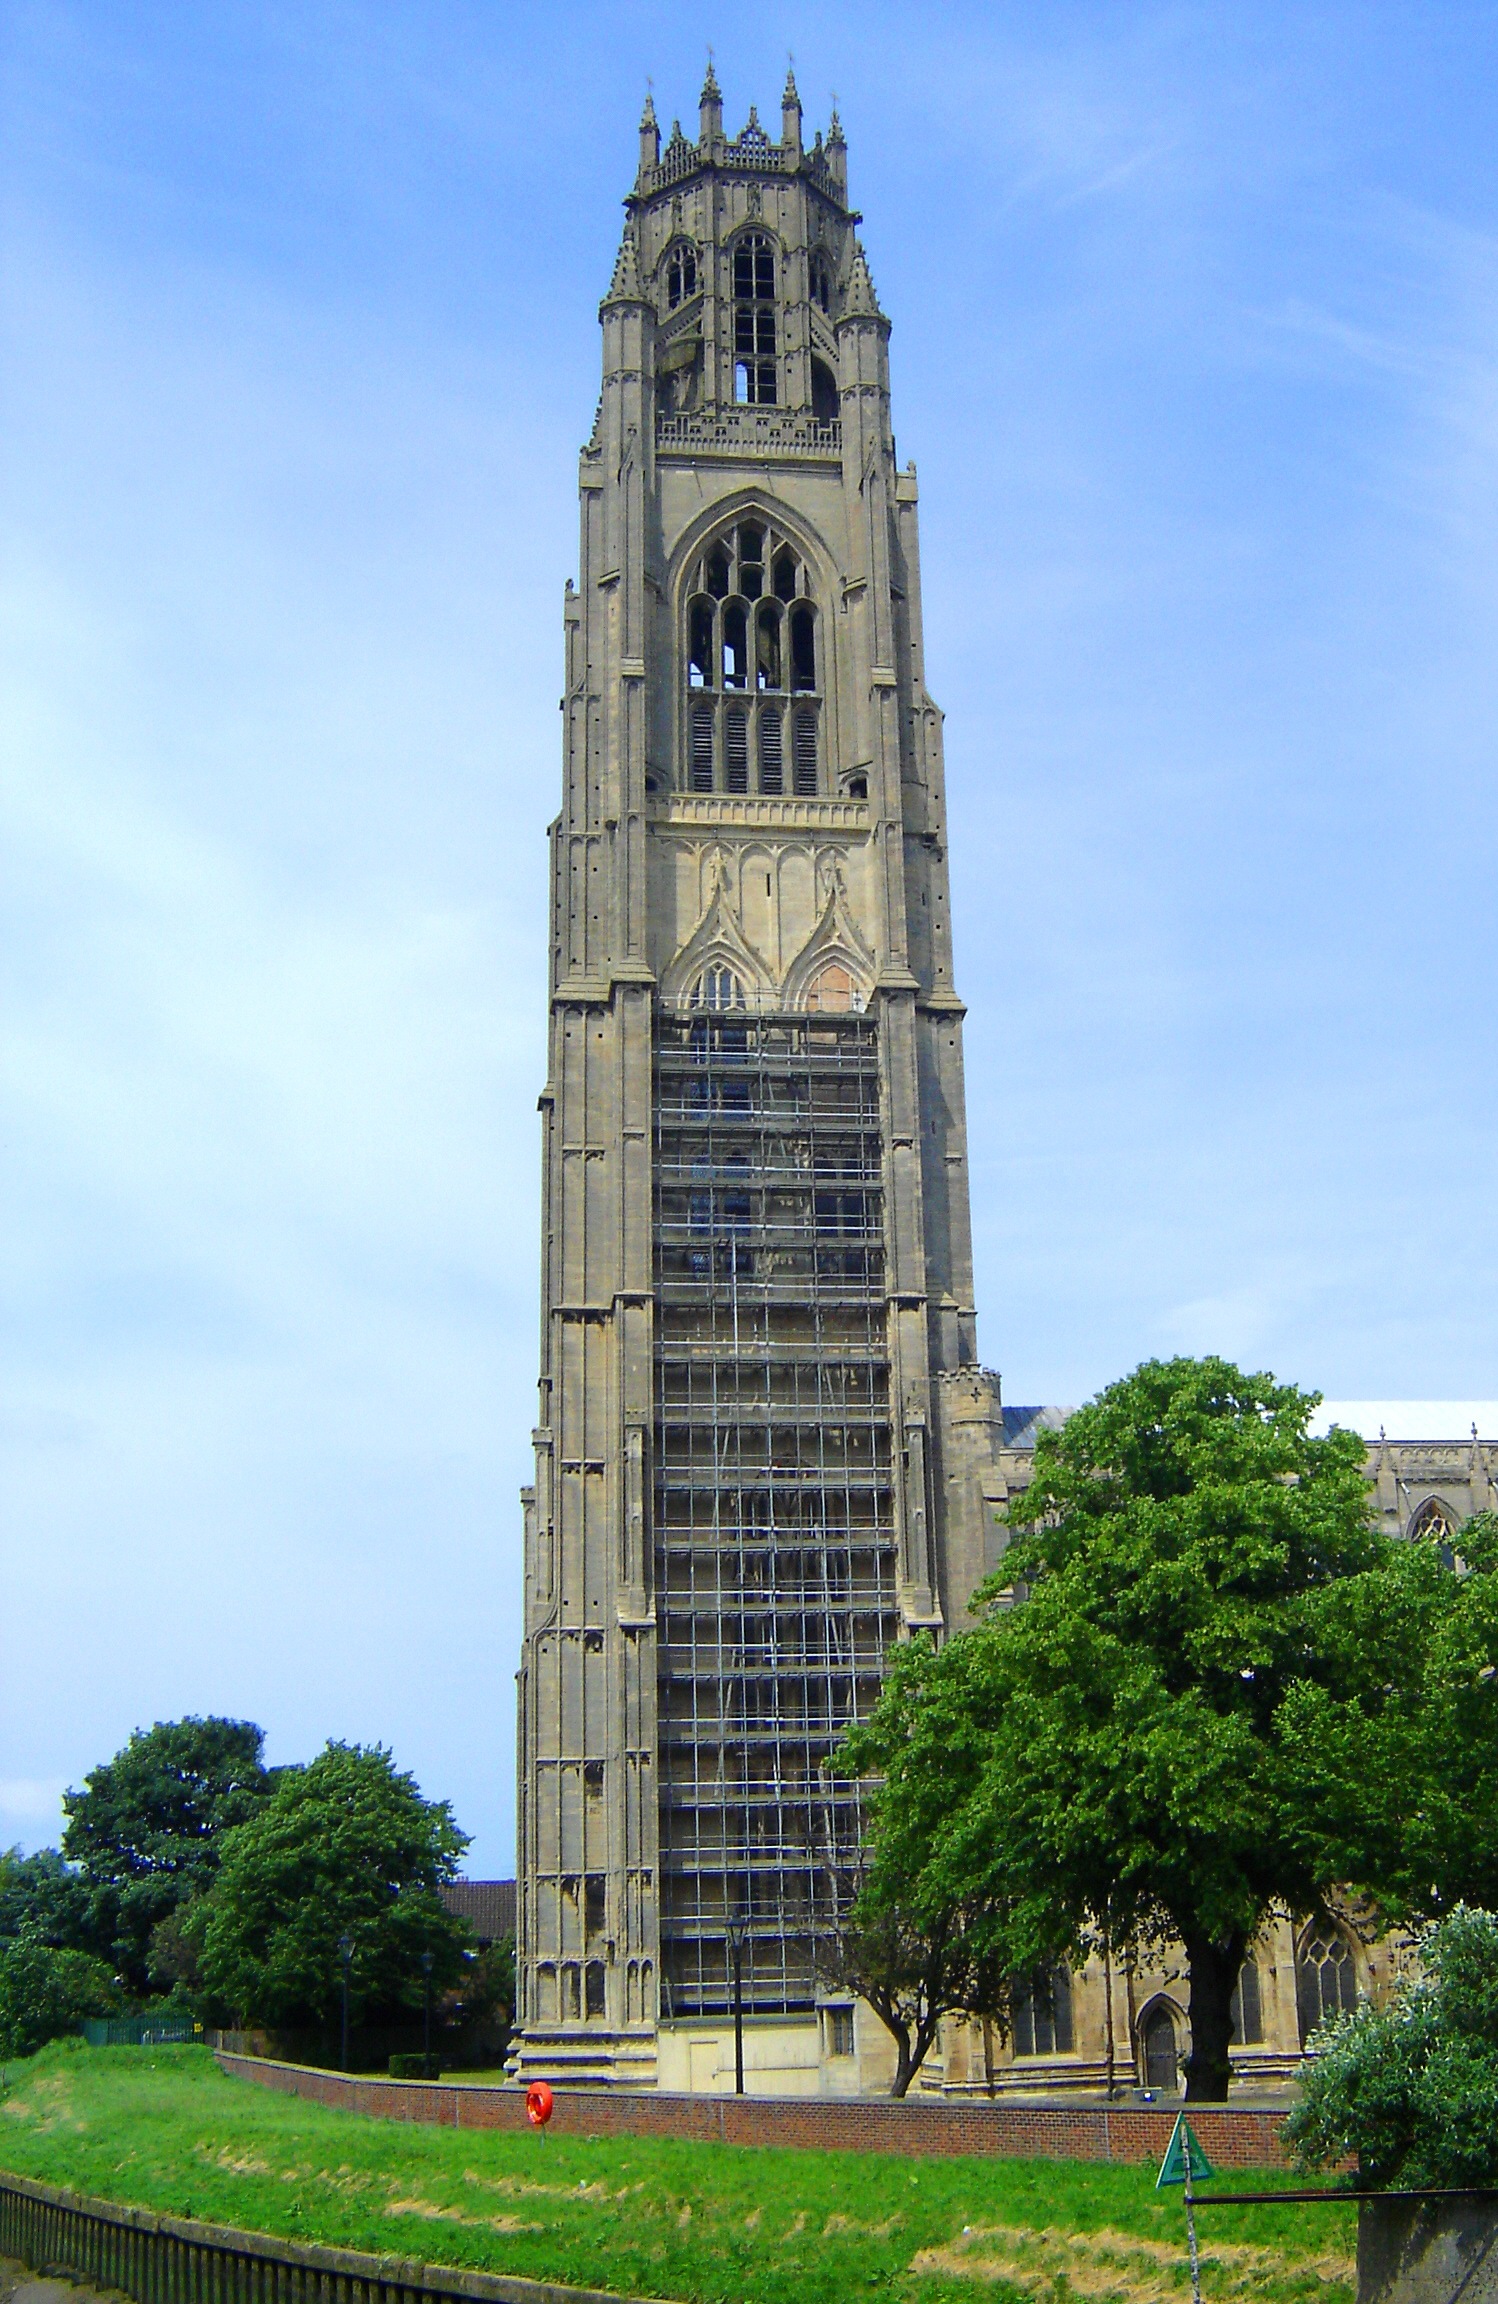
(765, 1450)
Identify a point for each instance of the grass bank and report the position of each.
(712, 2224)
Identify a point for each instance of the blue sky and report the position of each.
(1196, 348)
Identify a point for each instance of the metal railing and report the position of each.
(175, 2260)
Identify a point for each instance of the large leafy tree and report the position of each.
(1221, 1692)
(46, 1899)
(345, 1846)
(146, 1829)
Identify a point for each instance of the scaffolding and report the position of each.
(774, 1511)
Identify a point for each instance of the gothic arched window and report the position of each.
(821, 280)
(681, 275)
(751, 634)
(1434, 1523)
(833, 989)
(1246, 2006)
(718, 987)
(1041, 2007)
(755, 370)
(1325, 1980)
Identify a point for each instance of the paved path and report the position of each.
(20, 2285)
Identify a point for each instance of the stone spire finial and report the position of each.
(650, 135)
(860, 302)
(790, 114)
(711, 102)
(837, 154)
(625, 288)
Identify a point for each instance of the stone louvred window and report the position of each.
(752, 633)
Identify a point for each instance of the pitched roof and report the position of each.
(487, 1905)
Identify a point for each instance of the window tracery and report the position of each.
(718, 988)
(1325, 1979)
(754, 676)
(1433, 1523)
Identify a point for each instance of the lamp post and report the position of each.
(426, 2014)
(345, 1954)
(736, 1956)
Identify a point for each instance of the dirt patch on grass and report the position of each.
(433, 2212)
(1120, 2265)
(49, 2102)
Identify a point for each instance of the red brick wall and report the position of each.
(1231, 2138)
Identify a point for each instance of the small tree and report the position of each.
(346, 1846)
(913, 1970)
(146, 1829)
(1222, 1692)
(1412, 2088)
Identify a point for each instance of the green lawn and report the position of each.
(163, 2128)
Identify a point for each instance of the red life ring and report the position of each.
(538, 2103)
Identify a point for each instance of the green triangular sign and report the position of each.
(1173, 2168)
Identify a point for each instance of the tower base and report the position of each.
(582, 2056)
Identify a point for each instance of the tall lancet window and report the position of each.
(754, 346)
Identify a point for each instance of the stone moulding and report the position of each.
(748, 433)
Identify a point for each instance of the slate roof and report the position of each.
(487, 1905)
(1022, 1424)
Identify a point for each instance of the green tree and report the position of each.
(1179, 1726)
(146, 1828)
(1412, 2088)
(45, 1992)
(345, 1846)
(43, 1897)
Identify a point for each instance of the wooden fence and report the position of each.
(175, 2260)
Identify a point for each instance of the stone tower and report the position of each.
(764, 1444)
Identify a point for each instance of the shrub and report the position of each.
(1412, 2088)
(45, 1992)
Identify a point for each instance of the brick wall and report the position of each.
(1231, 2138)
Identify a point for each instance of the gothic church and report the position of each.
(765, 1448)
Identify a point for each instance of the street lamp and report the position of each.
(736, 1955)
(426, 2014)
(345, 1954)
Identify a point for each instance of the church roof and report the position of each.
(1022, 1424)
